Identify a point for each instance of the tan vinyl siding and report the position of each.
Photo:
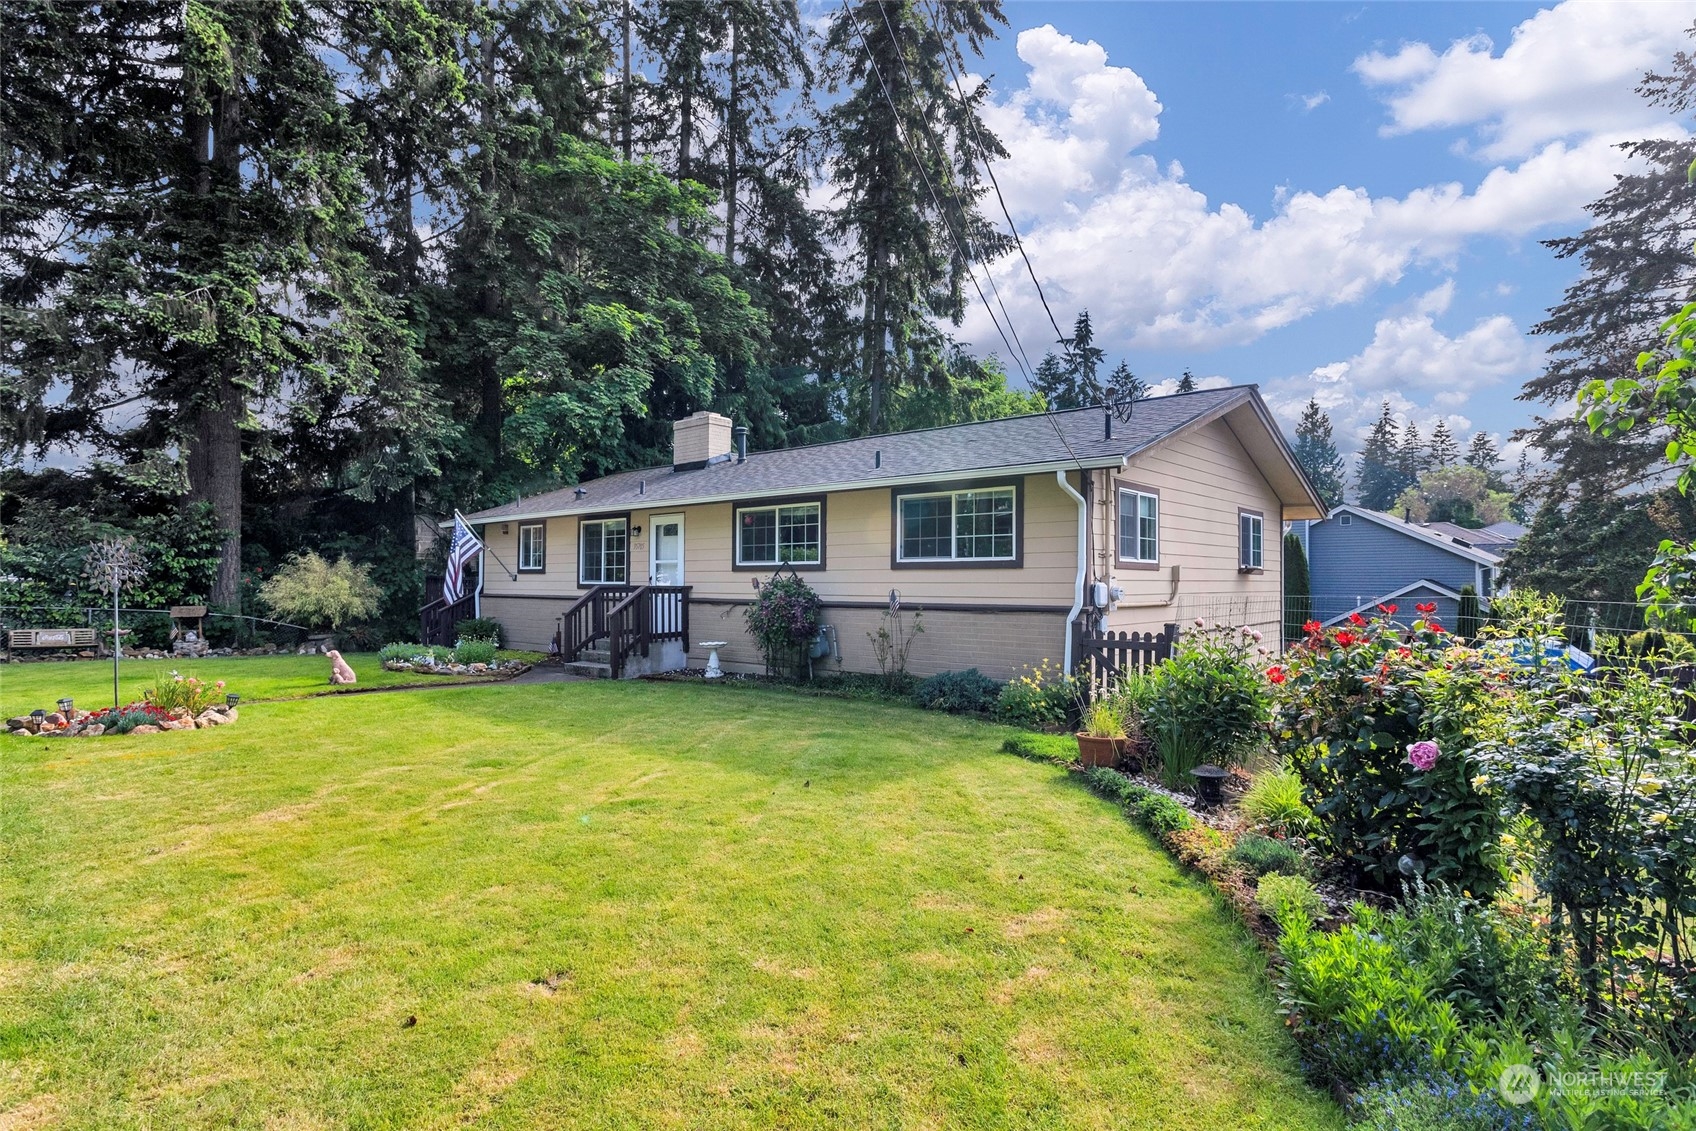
(1205, 479)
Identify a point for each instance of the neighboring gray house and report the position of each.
(1358, 559)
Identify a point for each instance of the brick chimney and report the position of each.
(699, 440)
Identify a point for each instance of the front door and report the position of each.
(665, 550)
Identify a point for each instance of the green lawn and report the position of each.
(24, 687)
(607, 905)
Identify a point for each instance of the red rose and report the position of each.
(1435, 627)
(1387, 610)
(1275, 674)
(1427, 607)
(1312, 626)
(1346, 638)
(1357, 620)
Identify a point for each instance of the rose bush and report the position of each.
(1379, 719)
(782, 619)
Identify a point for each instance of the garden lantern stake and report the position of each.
(114, 564)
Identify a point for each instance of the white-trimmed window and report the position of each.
(977, 525)
(603, 551)
(532, 547)
(1250, 552)
(783, 534)
(1139, 526)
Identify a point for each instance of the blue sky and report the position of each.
(1329, 199)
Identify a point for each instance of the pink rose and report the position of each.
(1422, 755)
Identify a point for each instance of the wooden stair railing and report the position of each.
(437, 619)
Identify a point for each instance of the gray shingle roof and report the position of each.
(950, 452)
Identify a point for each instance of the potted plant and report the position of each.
(1103, 729)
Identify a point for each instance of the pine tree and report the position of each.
(1444, 451)
(905, 150)
(1380, 477)
(1125, 387)
(1412, 459)
(1482, 453)
(1316, 451)
(1186, 383)
(1298, 589)
(1083, 360)
(1053, 382)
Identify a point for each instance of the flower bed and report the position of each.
(503, 669)
(136, 718)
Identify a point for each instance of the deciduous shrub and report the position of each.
(311, 591)
(961, 693)
(783, 618)
(1261, 855)
(1280, 896)
(1379, 720)
(1209, 702)
(1044, 698)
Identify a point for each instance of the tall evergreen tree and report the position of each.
(1444, 450)
(1412, 459)
(1380, 476)
(1053, 382)
(1083, 361)
(1298, 589)
(905, 149)
(1482, 453)
(1124, 387)
(1186, 383)
(1316, 451)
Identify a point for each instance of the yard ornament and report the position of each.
(339, 671)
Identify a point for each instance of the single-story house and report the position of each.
(1014, 537)
(1358, 559)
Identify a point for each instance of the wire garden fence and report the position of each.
(151, 628)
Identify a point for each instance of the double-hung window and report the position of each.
(975, 526)
(1249, 550)
(603, 551)
(1139, 526)
(781, 534)
(532, 547)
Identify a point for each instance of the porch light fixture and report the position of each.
(1209, 784)
(635, 532)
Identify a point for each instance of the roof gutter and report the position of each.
(1058, 466)
(1083, 563)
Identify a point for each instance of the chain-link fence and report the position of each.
(151, 628)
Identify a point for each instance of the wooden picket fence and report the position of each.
(1102, 660)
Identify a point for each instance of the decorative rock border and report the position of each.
(506, 669)
(82, 724)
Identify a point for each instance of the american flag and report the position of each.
(462, 549)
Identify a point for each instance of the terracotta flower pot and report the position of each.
(1097, 751)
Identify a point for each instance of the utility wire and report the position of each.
(942, 155)
(866, 47)
(935, 199)
(972, 124)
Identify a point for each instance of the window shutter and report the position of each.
(1243, 533)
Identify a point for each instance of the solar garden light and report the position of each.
(1209, 784)
(38, 714)
(1410, 865)
(232, 699)
(65, 706)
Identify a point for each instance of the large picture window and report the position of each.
(1139, 526)
(975, 526)
(1250, 553)
(532, 548)
(781, 534)
(603, 551)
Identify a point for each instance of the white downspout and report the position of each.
(1083, 563)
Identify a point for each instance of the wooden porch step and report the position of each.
(589, 668)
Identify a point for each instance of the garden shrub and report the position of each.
(481, 628)
(122, 720)
(1208, 703)
(783, 619)
(1280, 896)
(1044, 698)
(1273, 803)
(1114, 786)
(1062, 748)
(319, 594)
(1378, 720)
(960, 693)
(1262, 854)
(192, 694)
(472, 651)
(416, 653)
(1437, 1101)
(1160, 814)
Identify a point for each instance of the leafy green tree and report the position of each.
(1316, 451)
(1380, 477)
(1460, 495)
(970, 389)
(905, 147)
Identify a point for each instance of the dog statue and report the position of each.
(339, 671)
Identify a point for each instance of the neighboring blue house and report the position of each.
(1358, 559)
